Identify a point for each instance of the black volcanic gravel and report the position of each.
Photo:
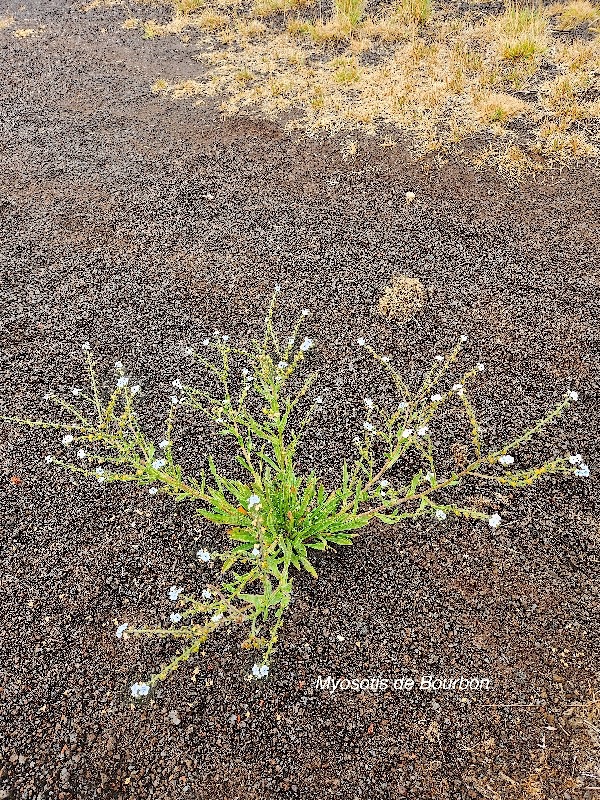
(140, 225)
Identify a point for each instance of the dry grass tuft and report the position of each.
(579, 12)
(188, 6)
(414, 10)
(349, 11)
(499, 107)
(402, 299)
(266, 8)
(511, 161)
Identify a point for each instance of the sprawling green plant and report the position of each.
(277, 515)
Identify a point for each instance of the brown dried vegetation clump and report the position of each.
(402, 298)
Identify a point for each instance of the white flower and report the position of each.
(118, 365)
(49, 459)
(256, 550)
(440, 514)
(360, 342)
(174, 592)
(572, 395)
(203, 555)
(158, 463)
(81, 453)
(291, 341)
(458, 387)
(47, 397)
(174, 400)
(306, 344)
(244, 371)
(225, 338)
(164, 444)
(122, 382)
(260, 670)
(85, 346)
(368, 426)
(205, 342)
(410, 196)
(435, 398)
(385, 359)
(583, 471)
(305, 312)
(368, 402)
(76, 392)
(422, 431)
(429, 476)
(439, 358)
(121, 630)
(135, 389)
(153, 490)
(403, 404)
(464, 338)
(139, 690)
(216, 332)
(318, 400)
(282, 365)
(494, 520)
(67, 439)
(277, 288)
(175, 617)
(99, 471)
(206, 594)
(216, 617)
(384, 483)
(253, 501)
(506, 461)
(407, 432)
(480, 367)
(575, 459)
(176, 384)
(189, 351)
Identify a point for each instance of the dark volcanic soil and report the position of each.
(140, 225)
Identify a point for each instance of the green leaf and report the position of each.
(387, 519)
(242, 548)
(273, 567)
(269, 461)
(257, 600)
(414, 483)
(242, 461)
(345, 477)
(309, 493)
(299, 548)
(308, 567)
(228, 563)
(338, 539)
(241, 535)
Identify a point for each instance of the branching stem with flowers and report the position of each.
(276, 515)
